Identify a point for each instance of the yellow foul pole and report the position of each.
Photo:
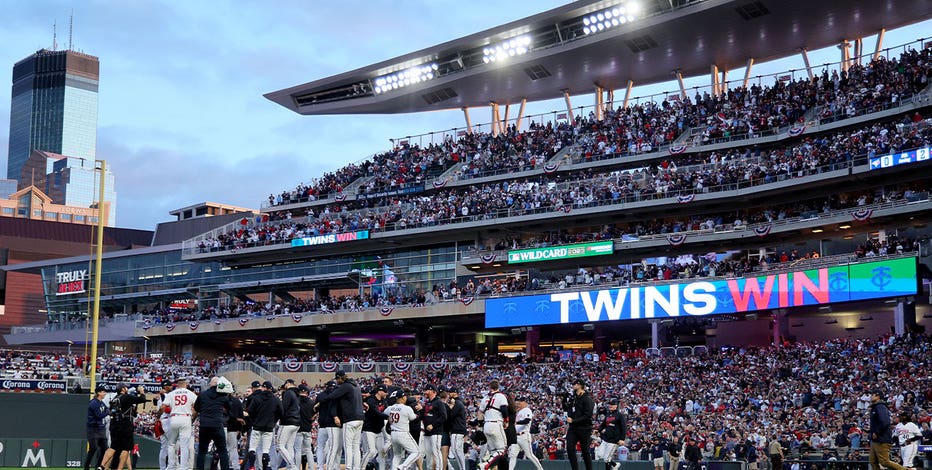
(97, 268)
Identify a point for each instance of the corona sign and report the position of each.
(864, 281)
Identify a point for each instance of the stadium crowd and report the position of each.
(640, 128)
(718, 171)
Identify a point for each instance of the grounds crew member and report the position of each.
(265, 409)
(213, 407)
(122, 410)
(96, 428)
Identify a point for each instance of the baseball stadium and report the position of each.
(740, 267)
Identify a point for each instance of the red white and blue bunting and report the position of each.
(551, 168)
(862, 215)
(438, 365)
(292, 366)
(296, 317)
(678, 149)
(193, 325)
(217, 321)
(170, 327)
(676, 240)
(328, 366)
(401, 366)
(488, 259)
(386, 311)
(683, 199)
(146, 325)
(365, 366)
(797, 131)
(763, 230)
(566, 208)
(270, 317)
(340, 197)
(439, 183)
(467, 300)
(243, 321)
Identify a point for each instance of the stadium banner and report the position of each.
(411, 189)
(21, 385)
(330, 238)
(861, 281)
(149, 387)
(578, 250)
(71, 282)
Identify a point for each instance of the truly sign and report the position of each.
(71, 282)
(578, 250)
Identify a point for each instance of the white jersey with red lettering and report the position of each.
(400, 417)
(181, 401)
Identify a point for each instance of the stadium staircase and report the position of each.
(243, 373)
(561, 157)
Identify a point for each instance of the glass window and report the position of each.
(8, 210)
(66, 217)
(37, 212)
(51, 215)
(79, 218)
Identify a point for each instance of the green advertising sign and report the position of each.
(578, 250)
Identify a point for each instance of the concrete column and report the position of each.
(628, 93)
(322, 342)
(879, 45)
(599, 339)
(468, 121)
(723, 85)
(713, 72)
(520, 115)
(599, 103)
(805, 55)
(781, 326)
(569, 105)
(496, 119)
(899, 318)
(858, 50)
(421, 337)
(531, 341)
(655, 334)
(610, 100)
(747, 72)
(845, 55)
(491, 345)
(505, 120)
(679, 79)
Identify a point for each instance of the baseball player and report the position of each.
(458, 430)
(494, 412)
(326, 428)
(290, 422)
(179, 404)
(908, 435)
(434, 415)
(265, 409)
(385, 439)
(350, 416)
(165, 421)
(304, 447)
(374, 422)
(400, 417)
(523, 421)
(613, 432)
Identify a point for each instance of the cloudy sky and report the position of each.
(182, 117)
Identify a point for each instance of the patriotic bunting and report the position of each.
(193, 325)
(862, 215)
(340, 197)
(243, 321)
(676, 240)
(551, 168)
(146, 325)
(677, 149)
(797, 131)
(763, 230)
(685, 198)
(170, 327)
(488, 259)
(439, 183)
(366, 366)
(296, 317)
(328, 366)
(467, 300)
(386, 311)
(292, 366)
(401, 366)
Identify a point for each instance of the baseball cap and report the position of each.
(396, 394)
(339, 374)
(613, 401)
(255, 384)
(167, 383)
(289, 381)
(224, 386)
(100, 388)
(379, 388)
(303, 388)
(579, 382)
(121, 386)
(268, 385)
(453, 390)
(878, 392)
(430, 387)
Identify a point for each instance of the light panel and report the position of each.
(611, 17)
(515, 46)
(396, 80)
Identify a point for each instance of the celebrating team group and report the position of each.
(386, 426)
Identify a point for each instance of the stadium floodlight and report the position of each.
(611, 17)
(515, 46)
(403, 78)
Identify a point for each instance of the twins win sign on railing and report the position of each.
(827, 285)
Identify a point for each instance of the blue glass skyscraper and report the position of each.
(53, 107)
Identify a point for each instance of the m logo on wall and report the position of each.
(35, 457)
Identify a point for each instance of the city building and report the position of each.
(53, 107)
(69, 181)
(33, 204)
(7, 187)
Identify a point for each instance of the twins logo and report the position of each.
(838, 282)
(881, 277)
(542, 306)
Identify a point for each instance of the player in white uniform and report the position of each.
(494, 410)
(164, 419)
(181, 403)
(522, 425)
(399, 419)
(908, 434)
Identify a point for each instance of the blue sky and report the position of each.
(182, 117)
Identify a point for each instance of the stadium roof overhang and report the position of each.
(669, 35)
